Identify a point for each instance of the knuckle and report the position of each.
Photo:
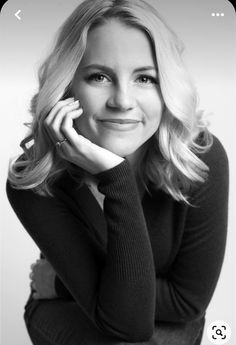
(64, 126)
(58, 105)
(63, 101)
(36, 270)
(46, 122)
(68, 106)
(64, 107)
(54, 127)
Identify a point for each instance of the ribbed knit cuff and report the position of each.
(128, 239)
(111, 175)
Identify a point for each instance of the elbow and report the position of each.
(182, 318)
(193, 311)
(189, 316)
(133, 324)
(188, 307)
(181, 313)
(197, 315)
(131, 332)
(140, 333)
(137, 335)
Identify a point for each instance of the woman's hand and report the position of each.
(43, 279)
(77, 149)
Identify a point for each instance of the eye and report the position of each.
(147, 79)
(98, 77)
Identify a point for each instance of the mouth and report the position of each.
(120, 124)
(120, 121)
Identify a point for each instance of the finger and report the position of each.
(40, 261)
(31, 275)
(36, 295)
(62, 112)
(72, 136)
(51, 116)
(36, 263)
(33, 265)
(67, 127)
(33, 286)
(58, 119)
(56, 108)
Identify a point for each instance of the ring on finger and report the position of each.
(60, 142)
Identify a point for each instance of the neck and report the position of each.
(136, 157)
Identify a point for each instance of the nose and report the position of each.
(121, 99)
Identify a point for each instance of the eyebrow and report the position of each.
(103, 67)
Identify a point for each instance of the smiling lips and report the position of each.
(120, 121)
(120, 124)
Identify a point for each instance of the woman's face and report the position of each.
(117, 86)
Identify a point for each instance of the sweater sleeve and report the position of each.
(120, 298)
(189, 286)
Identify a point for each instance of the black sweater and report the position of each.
(138, 261)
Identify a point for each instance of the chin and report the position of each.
(121, 153)
(119, 150)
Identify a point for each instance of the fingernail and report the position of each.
(76, 102)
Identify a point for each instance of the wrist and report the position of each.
(104, 160)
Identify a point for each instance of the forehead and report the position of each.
(117, 44)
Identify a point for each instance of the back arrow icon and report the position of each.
(17, 14)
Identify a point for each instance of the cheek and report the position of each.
(153, 110)
(85, 99)
(90, 101)
(91, 105)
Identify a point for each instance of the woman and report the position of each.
(123, 189)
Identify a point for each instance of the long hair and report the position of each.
(172, 160)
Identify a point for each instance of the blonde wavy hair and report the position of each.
(172, 160)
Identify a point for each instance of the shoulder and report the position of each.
(215, 158)
(217, 179)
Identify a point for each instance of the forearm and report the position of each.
(129, 273)
(114, 286)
